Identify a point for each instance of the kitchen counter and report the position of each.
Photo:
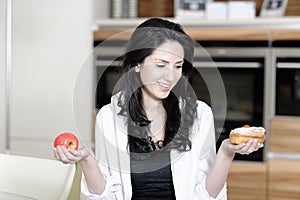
(259, 29)
(264, 23)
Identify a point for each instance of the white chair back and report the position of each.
(38, 178)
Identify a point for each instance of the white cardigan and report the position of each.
(189, 169)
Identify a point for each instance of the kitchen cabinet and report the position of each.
(283, 179)
(284, 136)
(247, 181)
(197, 34)
(284, 159)
(285, 34)
(229, 34)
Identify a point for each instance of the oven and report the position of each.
(242, 71)
(287, 81)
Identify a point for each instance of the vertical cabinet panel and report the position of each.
(2, 73)
(283, 179)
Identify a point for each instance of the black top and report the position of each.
(151, 178)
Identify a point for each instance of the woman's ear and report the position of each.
(137, 68)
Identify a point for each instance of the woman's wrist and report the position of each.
(86, 159)
(226, 151)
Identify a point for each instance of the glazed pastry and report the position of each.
(246, 133)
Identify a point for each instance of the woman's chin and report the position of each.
(163, 95)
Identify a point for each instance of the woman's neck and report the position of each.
(151, 105)
(156, 113)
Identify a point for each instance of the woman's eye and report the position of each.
(179, 66)
(160, 65)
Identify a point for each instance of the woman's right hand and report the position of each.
(71, 156)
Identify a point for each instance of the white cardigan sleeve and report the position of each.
(207, 154)
(113, 187)
(200, 187)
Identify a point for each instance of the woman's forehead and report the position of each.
(171, 48)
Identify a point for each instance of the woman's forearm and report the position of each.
(93, 175)
(217, 176)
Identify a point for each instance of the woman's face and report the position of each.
(161, 70)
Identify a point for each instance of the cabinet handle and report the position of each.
(227, 64)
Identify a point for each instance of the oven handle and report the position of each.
(288, 65)
(201, 64)
(280, 155)
(227, 64)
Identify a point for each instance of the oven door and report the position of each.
(243, 80)
(287, 82)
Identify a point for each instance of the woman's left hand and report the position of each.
(245, 148)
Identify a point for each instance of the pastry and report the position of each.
(246, 133)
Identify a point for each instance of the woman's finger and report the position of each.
(70, 157)
(55, 153)
(250, 147)
(64, 155)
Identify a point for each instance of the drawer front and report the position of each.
(283, 179)
(247, 181)
(284, 135)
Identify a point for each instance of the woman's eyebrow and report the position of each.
(165, 61)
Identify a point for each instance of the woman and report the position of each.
(155, 140)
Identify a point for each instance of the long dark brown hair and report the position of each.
(180, 105)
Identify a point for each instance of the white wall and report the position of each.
(51, 41)
(2, 74)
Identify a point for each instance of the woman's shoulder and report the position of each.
(203, 109)
(104, 112)
(203, 105)
(112, 107)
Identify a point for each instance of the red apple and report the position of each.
(69, 140)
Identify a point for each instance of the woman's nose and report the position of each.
(170, 73)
